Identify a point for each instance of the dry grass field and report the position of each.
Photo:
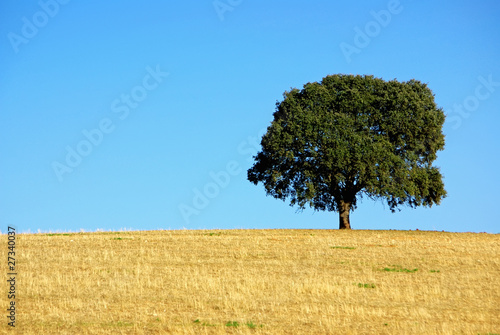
(256, 282)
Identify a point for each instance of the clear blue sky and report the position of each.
(145, 114)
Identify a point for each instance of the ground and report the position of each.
(257, 282)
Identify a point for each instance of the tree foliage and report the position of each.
(348, 136)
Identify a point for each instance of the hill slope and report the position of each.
(257, 282)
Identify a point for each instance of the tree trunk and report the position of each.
(344, 209)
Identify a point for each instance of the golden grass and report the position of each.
(261, 281)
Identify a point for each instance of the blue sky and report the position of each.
(145, 115)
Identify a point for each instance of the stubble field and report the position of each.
(256, 282)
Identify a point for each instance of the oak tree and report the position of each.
(347, 136)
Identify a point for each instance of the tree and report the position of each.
(333, 142)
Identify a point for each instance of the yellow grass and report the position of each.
(261, 281)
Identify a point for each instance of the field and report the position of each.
(256, 282)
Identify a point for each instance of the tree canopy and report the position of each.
(347, 136)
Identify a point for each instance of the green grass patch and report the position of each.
(204, 324)
(366, 285)
(59, 234)
(214, 234)
(434, 271)
(340, 247)
(234, 324)
(399, 268)
(252, 325)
